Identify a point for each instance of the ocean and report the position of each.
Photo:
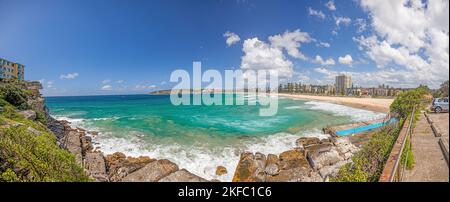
(198, 138)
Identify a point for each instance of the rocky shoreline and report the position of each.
(313, 160)
(116, 167)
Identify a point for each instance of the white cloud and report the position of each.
(106, 81)
(342, 20)
(260, 55)
(321, 61)
(49, 84)
(69, 76)
(323, 44)
(119, 81)
(346, 60)
(140, 87)
(291, 41)
(418, 48)
(231, 38)
(106, 87)
(316, 13)
(360, 25)
(322, 70)
(330, 5)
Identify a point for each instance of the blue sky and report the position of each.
(120, 47)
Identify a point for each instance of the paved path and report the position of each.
(430, 165)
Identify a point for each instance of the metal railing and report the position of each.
(394, 167)
(399, 173)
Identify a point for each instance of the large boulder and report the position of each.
(182, 176)
(72, 143)
(28, 114)
(345, 147)
(331, 170)
(271, 165)
(119, 165)
(152, 172)
(318, 148)
(86, 144)
(94, 163)
(34, 131)
(298, 174)
(250, 168)
(292, 159)
(318, 160)
(57, 127)
(305, 141)
(293, 167)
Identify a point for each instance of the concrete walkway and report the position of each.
(430, 165)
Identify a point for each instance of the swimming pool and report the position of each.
(365, 128)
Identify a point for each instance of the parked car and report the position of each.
(440, 105)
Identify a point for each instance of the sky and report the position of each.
(97, 47)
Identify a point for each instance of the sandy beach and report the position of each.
(372, 104)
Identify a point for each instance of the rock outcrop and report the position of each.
(28, 114)
(152, 172)
(120, 166)
(94, 163)
(182, 176)
(314, 160)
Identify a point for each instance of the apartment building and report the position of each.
(11, 70)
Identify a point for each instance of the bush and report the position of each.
(405, 101)
(27, 157)
(15, 96)
(40, 117)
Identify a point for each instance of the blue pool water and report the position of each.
(365, 128)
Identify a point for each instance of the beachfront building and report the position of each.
(307, 88)
(343, 86)
(384, 91)
(343, 82)
(11, 70)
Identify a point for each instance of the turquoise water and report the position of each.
(365, 128)
(198, 138)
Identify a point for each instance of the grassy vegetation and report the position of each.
(28, 150)
(407, 155)
(369, 162)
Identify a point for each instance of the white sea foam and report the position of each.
(340, 110)
(74, 122)
(296, 107)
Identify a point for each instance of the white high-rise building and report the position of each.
(342, 83)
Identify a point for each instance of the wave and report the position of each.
(296, 107)
(357, 115)
(74, 122)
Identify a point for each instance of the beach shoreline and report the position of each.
(371, 104)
